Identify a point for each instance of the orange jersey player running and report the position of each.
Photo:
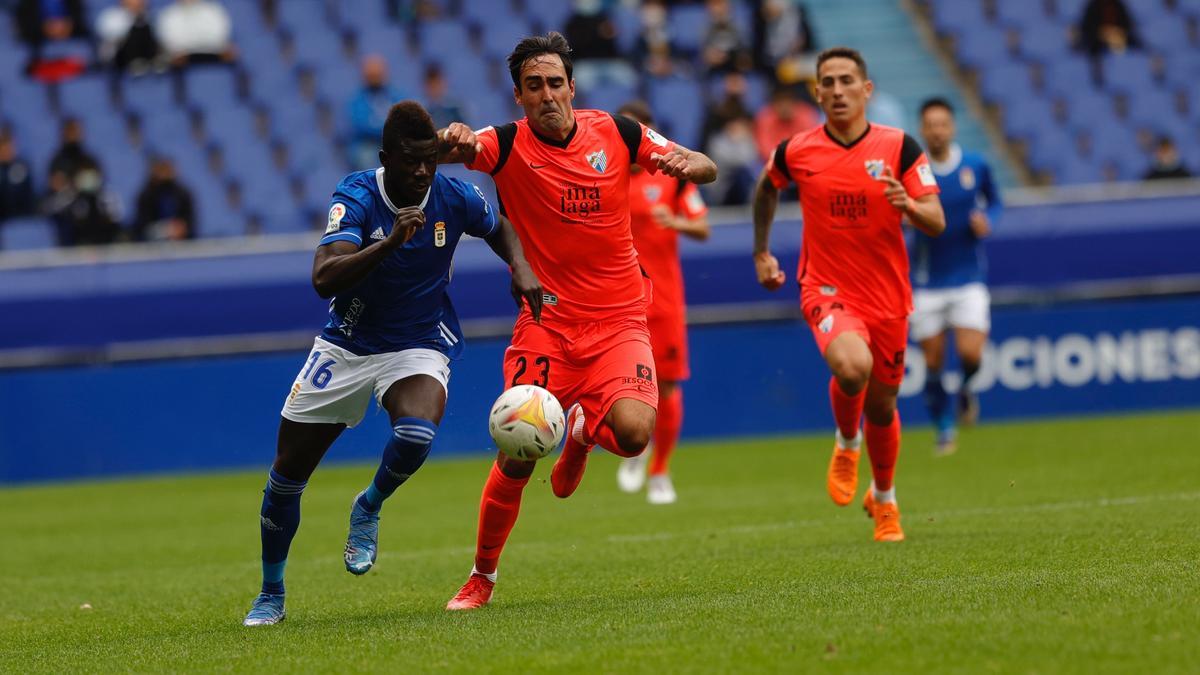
(661, 208)
(857, 181)
(562, 177)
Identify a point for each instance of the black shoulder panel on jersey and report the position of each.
(631, 133)
(506, 134)
(679, 186)
(909, 154)
(781, 158)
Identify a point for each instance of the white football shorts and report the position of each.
(335, 386)
(936, 309)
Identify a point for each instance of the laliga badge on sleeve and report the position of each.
(439, 234)
(925, 173)
(336, 213)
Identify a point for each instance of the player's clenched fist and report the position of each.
(408, 220)
(896, 195)
(674, 163)
(769, 274)
(457, 143)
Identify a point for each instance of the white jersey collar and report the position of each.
(953, 160)
(383, 193)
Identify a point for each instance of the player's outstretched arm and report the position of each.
(457, 144)
(766, 266)
(339, 265)
(525, 284)
(686, 164)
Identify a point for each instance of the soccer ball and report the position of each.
(527, 422)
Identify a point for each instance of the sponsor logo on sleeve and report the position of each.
(656, 138)
(486, 207)
(925, 173)
(336, 213)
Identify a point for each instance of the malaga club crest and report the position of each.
(874, 168)
(598, 160)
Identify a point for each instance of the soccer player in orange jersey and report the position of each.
(857, 181)
(661, 208)
(562, 177)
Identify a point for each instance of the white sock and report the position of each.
(490, 577)
(577, 429)
(853, 445)
(884, 496)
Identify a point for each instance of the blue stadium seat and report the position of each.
(1150, 107)
(1181, 69)
(678, 107)
(1166, 34)
(954, 17)
(982, 47)
(502, 33)
(1090, 108)
(23, 234)
(1075, 171)
(549, 14)
(628, 22)
(1070, 10)
(608, 96)
(84, 95)
(1023, 119)
(1065, 77)
(488, 12)
(1002, 81)
(1045, 42)
(1021, 15)
(211, 86)
(148, 95)
(441, 37)
(307, 20)
(687, 26)
(1127, 73)
(1048, 150)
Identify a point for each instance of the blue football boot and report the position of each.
(363, 540)
(266, 611)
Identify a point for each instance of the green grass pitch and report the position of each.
(1050, 547)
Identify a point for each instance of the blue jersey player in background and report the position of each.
(392, 333)
(949, 272)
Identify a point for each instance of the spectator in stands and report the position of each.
(368, 111)
(70, 157)
(83, 212)
(40, 22)
(653, 52)
(16, 181)
(127, 40)
(1167, 163)
(724, 48)
(196, 31)
(593, 38)
(442, 107)
(784, 42)
(783, 117)
(731, 105)
(165, 209)
(1107, 26)
(733, 148)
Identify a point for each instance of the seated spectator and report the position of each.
(368, 111)
(127, 40)
(1107, 26)
(70, 157)
(734, 149)
(442, 107)
(593, 38)
(724, 48)
(44, 22)
(784, 116)
(196, 31)
(784, 42)
(165, 209)
(83, 212)
(16, 181)
(653, 51)
(1167, 163)
(731, 105)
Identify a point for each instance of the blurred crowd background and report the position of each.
(177, 119)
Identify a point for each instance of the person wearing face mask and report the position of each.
(165, 208)
(83, 212)
(70, 156)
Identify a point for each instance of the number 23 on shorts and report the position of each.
(321, 375)
(539, 373)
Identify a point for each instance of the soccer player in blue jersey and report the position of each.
(949, 272)
(392, 333)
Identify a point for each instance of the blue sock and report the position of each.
(278, 520)
(405, 453)
(936, 399)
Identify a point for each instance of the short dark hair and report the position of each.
(407, 121)
(936, 102)
(550, 43)
(843, 53)
(637, 110)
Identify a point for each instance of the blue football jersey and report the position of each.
(402, 303)
(956, 258)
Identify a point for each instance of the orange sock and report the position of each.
(666, 431)
(498, 511)
(847, 410)
(883, 445)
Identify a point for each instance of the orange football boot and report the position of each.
(842, 479)
(474, 594)
(886, 516)
(568, 469)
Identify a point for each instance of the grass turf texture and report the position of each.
(1061, 546)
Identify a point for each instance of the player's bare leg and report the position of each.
(415, 405)
(625, 431)
(849, 359)
(298, 450)
(970, 344)
(937, 401)
(498, 510)
(882, 431)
